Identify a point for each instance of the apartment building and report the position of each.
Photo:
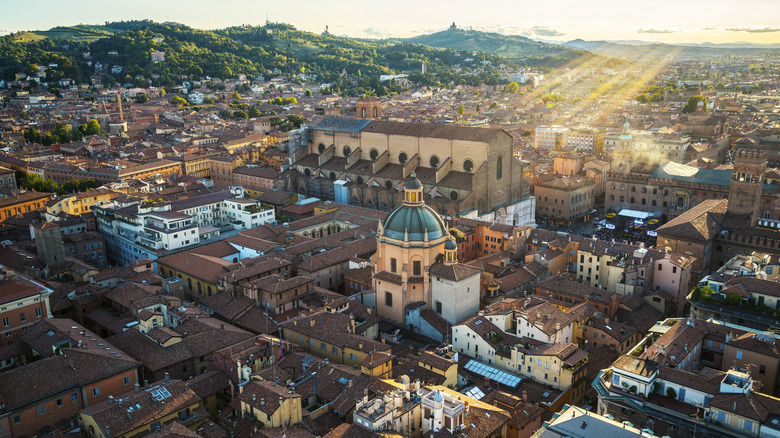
(23, 302)
(565, 200)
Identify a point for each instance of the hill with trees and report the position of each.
(352, 66)
(518, 48)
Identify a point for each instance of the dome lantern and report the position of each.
(413, 221)
(413, 191)
(450, 251)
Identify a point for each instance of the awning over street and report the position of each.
(635, 214)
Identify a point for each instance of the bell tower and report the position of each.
(369, 108)
(747, 182)
(622, 157)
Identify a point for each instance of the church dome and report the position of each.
(413, 183)
(414, 220)
(450, 245)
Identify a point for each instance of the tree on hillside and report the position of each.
(512, 87)
(693, 103)
(460, 109)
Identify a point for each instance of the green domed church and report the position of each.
(415, 254)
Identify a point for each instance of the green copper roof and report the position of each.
(413, 183)
(450, 245)
(414, 220)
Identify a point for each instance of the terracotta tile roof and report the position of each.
(116, 417)
(209, 383)
(765, 345)
(203, 336)
(263, 396)
(436, 361)
(756, 406)
(561, 284)
(702, 222)
(635, 365)
(453, 272)
(675, 341)
(353, 430)
(752, 285)
(72, 369)
(707, 380)
(547, 317)
(388, 276)
(257, 321)
(226, 305)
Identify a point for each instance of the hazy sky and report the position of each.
(562, 20)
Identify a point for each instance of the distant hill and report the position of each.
(81, 32)
(351, 65)
(515, 47)
(635, 50)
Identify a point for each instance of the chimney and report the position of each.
(146, 383)
(262, 402)
(137, 387)
(606, 320)
(167, 377)
(525, 396)
(312, 322)
(129, 415)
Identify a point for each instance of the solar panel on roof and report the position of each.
(494, 374)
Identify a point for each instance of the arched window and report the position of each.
(363, 112)
(680, 202)
(373, 154)
(622, 199)
(611, 197)
(321, 147)
(375, 113)
(654, 203)
(499, 167)
(402, 157)
(655, 191)
(632, 200)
